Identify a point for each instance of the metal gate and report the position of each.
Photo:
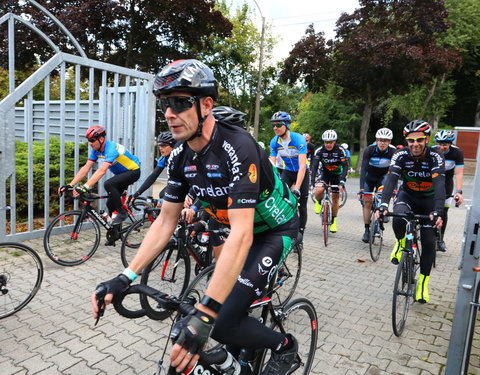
(119, 99)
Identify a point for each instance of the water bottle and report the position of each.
(105, 217)
(230, 366)
(245, 358)
(205, 237)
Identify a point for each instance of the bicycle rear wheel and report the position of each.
(402, 293)
(132, 240)
(69, 242)
(286, 279)
(169, 273)
(21, 274)
(375, 239)
(326, 219)
(298, 318)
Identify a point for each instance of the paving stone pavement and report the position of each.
(55, 333)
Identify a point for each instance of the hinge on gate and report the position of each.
(473, 242)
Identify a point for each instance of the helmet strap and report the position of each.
(201, 120)
(286, 130)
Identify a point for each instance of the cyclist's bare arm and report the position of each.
(302, 168)
(80, 175)
(99, 173)
(155, 240)
(459, 184)
(273, 160)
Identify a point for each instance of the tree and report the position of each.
(384, 47)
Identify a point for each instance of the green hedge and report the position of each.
(21, 160)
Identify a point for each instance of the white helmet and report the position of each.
(384, 133)
(329, 135)
(345, 146)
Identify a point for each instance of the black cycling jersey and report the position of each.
(375, 163)
(232, 171)
(453, 159)
(310, 151)
(423, 177)
(333, 162)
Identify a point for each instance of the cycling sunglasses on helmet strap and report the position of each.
(178, 104)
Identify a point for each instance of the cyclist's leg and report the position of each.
(368, 189)
(427, 236)
(233, 326)
(335, 180)
(448, 202)
(302, 209)
(115, 187)
(402, 205)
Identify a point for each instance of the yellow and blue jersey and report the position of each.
(118, 156)
(289, 150)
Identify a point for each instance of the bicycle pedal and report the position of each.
(109, 243)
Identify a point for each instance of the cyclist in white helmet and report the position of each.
(349, 157)
(333, 171)
(376, 160)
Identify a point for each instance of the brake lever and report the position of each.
(100, 293)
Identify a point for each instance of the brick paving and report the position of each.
(55, 334)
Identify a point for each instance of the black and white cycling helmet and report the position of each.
(445, 136)
(329, 135)
(166, 137)
(417, 126)
(384, 133)
(190, 76)
(230, 116)
(345, 146)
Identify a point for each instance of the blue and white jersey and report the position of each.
(118, 156)
(289, 150)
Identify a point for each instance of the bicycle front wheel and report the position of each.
(343, 197)
(326, 218)
(402, 292)
(298, 318)
(21, 274)
(375, 239)
(69, 241)
(132, 240)
(169, 273)
(287, 277)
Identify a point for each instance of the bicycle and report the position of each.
(404, 289)
(298, 317)
(73, 237)
(21, 274)
(375, 239)
(326, 212)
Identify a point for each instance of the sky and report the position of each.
(290, 18)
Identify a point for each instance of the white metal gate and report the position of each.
(118, 98)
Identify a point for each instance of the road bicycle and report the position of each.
(73, 237)
(343, 194)
(375, 238)
(326, 212)
(404, 290)
(21, 274)
(297, 317)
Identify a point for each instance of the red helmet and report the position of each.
(95, 132)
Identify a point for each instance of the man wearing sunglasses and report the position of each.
(291, 147)
(422, 169)
(453, 166)
(124, 165)
(375, 164)
(235, 182)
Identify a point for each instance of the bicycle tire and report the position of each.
(170, 273)
(402, 293)
(298, 318)
(343, 197)
(375, 238)
(326, 217)
(67, 249)
(132, 239)
(287, 277)
(18, 280)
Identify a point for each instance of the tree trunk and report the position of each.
(429, 97)
(367, 113)
(436, 117)
(477, 115)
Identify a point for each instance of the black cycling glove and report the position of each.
(296, 192)
(65, 187)
(192, 331)
(116, 285)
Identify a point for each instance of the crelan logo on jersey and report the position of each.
(252, 173)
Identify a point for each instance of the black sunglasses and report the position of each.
(177, 103)
(91, 140)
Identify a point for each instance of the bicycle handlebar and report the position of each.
(408, 215)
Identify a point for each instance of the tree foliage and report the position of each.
(141, 34)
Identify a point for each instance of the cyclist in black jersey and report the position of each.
(310, 147)
(165, 143)
(453, 166)
(422, 169)
(233, 178)
(375, 164)
(333, 171)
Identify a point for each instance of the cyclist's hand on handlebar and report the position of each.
(63, 188)
(458, 199)
(360, 195)
(199, 226)
(381, 211)
(106, 291)
(189, 335)
(80, 190)
(437, 219)
(131, 198)
(296, 192)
